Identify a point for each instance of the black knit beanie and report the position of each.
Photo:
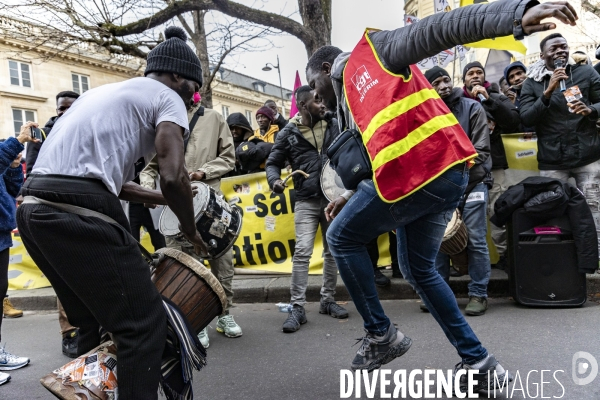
(472, 65)
(175, 56)
(434, 73)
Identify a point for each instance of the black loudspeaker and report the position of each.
(542, 261)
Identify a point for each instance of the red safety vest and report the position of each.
(409, 132)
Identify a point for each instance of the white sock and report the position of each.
(480, 364)
(400, 334)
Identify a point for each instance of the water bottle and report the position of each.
(284, 307)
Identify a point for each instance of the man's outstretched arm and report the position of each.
(408, 45)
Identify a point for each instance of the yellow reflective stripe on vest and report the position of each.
(415, 137)
(395, 109)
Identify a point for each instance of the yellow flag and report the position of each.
(499, 43)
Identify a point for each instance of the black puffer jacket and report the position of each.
(281, 122)
(507, 119)
(33, 149)
(559, 198)
(565, 140)
(301, 154)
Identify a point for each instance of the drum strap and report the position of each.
(199, 113)
(85, 212)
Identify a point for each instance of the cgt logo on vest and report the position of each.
(363, 82)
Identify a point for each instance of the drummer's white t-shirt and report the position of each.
(107, 129)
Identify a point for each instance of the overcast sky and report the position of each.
(350, 18)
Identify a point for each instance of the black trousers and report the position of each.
(140, 216)
(373, 251)
(99, 276)
(4, 258)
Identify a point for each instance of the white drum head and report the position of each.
(331, 184)
(452, 225)
(168, 224)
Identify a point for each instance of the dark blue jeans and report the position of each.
(420, 221)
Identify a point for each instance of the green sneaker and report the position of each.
(476, 306)
(227, 325)
(203, 338)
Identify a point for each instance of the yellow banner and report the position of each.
(499, 43)
(521, 151)
(23, 273)
(268, 238)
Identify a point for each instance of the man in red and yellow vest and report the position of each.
(420, 158)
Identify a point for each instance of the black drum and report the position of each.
(219, 223)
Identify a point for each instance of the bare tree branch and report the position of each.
(593, 8)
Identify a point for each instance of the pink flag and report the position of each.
(297, 84)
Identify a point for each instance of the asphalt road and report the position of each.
(268, 364)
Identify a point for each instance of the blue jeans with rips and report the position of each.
(475, 218)
(420, 221)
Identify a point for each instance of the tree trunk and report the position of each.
(316, 18)
(201, 45)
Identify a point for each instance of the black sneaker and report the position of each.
(333, 309)
(380, 279)
(69, 344)
(376, 351)
(485, 381)
(295, 318)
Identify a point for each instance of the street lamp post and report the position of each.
(267, 68)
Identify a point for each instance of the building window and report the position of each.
(81, 83)
(20, 117)
(220, 73)
(20, 73)
(259, 87)
(249, 117)
(225, 111)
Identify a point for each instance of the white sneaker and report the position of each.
(227, 325)
(4, 378)
(203, 337)
(8, 361)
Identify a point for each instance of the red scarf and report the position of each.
(468, 95)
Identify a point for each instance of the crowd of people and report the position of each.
(438, 149)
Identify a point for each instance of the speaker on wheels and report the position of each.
(542, 261)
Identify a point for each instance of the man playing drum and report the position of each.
(302, 142)
(95, 266)
(472, 118)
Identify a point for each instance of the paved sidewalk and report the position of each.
(276, 288)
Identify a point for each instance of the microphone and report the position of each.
(479, 95)
(559, 63)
